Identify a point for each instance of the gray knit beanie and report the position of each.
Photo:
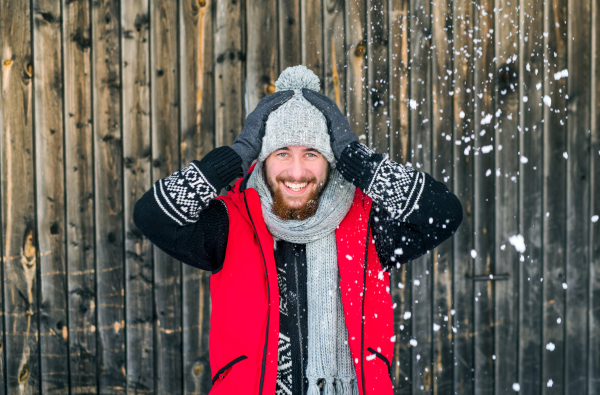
(297, 122)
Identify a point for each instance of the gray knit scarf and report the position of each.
(329, 355)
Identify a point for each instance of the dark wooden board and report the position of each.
(333, 49)
(594, 307)
(262, 51)
(399, 129)
(200, 77)
(483, 201)
(79, 178)
(164, 99)
(356, 75)
(442, 120)
(311, 36)
(420, 158)
(463, 239)
(530, 195)
(137, 175)
(398, 43)
(378, 75)
(579, 110)
(289, 33)
(50, 196)
(506, 147)
(555, 200)
(21, 283)
(108, 216)
(228, 53)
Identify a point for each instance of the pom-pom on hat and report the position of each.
(297, 122)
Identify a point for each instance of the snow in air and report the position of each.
(518, 242)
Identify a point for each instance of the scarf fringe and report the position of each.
(355, 388)
(329, 389)
(313, 388)
(343, 386)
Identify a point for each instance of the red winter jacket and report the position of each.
(245, 302)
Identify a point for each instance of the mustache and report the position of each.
(300, 180)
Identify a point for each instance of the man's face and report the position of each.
(296, 176)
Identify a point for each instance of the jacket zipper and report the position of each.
(298, 321)
(264, 359)
(362, 325)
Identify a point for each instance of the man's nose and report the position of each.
(296, 169)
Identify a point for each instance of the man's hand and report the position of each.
(248, 144)
(339, 129)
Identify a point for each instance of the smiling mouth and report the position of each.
(295, 186)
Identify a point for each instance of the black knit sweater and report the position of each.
(413, 213)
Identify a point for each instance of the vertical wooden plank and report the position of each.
(199, 103)
(18, 201)
(398, 52)
(554, 198)
(484, 202)
(378, 75)
(289, 33)
(50, 195)
(228, 54)
(164, 91)
(464, 131)
(594, 309)
(262, 51)
(506, 145)
(578, 190)
(356, 75)
(333, 48)
(79, 185)
(108, 216)
(531, 180)
(311, 36)
(3, 386)
(443, 79)
(399, 128)
(421, 142)
(137, 180)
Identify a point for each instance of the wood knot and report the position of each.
(202, 3)
(197, 369)
(360, 50)
(8, 62)
(23, 374)
(269, 88)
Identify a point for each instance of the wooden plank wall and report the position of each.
(496, 98)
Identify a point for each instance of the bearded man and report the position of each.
(301, 248)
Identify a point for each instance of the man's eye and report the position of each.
(311, 155)
(282, 154)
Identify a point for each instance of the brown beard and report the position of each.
(286, 212)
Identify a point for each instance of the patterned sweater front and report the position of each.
(413, 213)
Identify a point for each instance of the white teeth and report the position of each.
(295, 186)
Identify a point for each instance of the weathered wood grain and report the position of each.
(554, 200)
(21, 305)
(530, 187)
(108, 216)
(312, 32)
(464, 131)
(50, 196)
(594, 306)
(289, 33)
(506, 145)
(164, 98)
(262, 52)
(137, 180)
(484, 203)
(356, 75)
(199, 84)
(79, 179)
(399, 130)
(398, 44)
(378, 75)
(333, 49)
(229, 56)
(420, 143)
(442, 120)
(579, 110)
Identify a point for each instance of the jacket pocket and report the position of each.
(383, 358)
(220, 375)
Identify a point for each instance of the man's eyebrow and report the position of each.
(310, 150)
